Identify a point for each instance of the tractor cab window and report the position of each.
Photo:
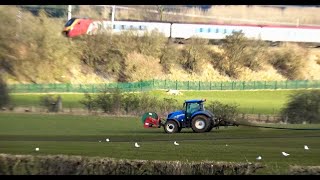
(69, 22)
(193, 107)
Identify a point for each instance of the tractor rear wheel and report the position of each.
(200, 124)
(171, 127)
(210, 128)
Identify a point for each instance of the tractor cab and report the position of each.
(192, 106)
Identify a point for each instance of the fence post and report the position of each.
(199, 85)
(254, 84)
(243, 84)
(221, 85)
(153, 83)
(232, 85)
(275, 84)
(265, 84)
(296, 84)
(188, 85)
(210, 85)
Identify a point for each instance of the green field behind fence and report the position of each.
(164, 84)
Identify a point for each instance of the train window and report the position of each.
(208, 30)
(114, 27)
(122, 26)
(201, 29)
(217, 30)
(225, 31)
(131, 27)
(140, 27)
(69, 22)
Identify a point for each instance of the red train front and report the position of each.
(76, 26)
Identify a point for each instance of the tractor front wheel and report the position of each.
(171, 127)
(200, 124)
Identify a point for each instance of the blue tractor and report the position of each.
(192, 116)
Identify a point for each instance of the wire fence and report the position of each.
(163, 84)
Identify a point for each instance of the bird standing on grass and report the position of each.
(136, 145)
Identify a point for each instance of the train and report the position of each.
(213, 31)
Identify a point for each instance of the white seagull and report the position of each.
(306, 147)
(37, 149)
(259, 158)
(107, 139)
(175, 143)
(226, 144)
(136, 145)
(285, 154)
(99, 141)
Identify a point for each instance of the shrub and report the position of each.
(239, 52)
(169, 55)
(223, 112)
(289, 60)
(89, 102)
(130, 103)
(194, 54)
(102, 55)
(140, 67)
(302, 106)
(151, 43)
(168, 105)
(52, 103)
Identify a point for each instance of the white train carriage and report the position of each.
(141, 27)
(291, 34)
(208, 31)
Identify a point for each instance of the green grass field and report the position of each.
(252, 102)
(80, 135)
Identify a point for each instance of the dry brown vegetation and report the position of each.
(34, 51)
